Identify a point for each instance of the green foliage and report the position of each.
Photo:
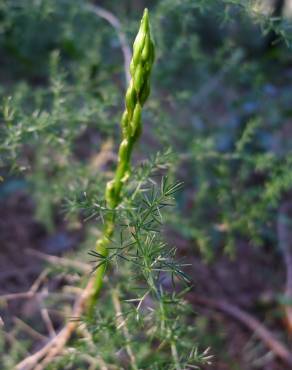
(221, 100)
(146, 267)
(238, 192)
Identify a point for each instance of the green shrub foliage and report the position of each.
(220, 100)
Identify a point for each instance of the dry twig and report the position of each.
(66, 262)
(31, 292)
(284, 226)
(113, 20)
(278, 348)
(121, 324)
(46, 354)
(27, 328)
(48, 322)
(98, 359)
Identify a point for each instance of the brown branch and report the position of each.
(284, 230)
(14, 342)
(45, 355)
(250, 322)
(30, 293)
(12, 296)
(48, 322)
(28, 329)
(115, 23)
(103, 156)
(66, 262)
(98, 359)
(56, 344)
(121, 324)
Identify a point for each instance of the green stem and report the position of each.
(136, 95)
(102, 249)
(175, 356)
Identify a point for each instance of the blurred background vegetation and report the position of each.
(219, 116)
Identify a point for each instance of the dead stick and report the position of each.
(35, 334)
(250, 322)
(115, 23)
(121, 324)
(66, 262)
(284, 232)
(41, 358)
(31, 292)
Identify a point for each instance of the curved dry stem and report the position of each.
(113, 21)
(284, 222)
(40, 359)
(277, 347)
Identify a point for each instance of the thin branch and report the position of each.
(175, 356)
(48, 322)
(40, 359)
(35, 286)
(250, 322)
(30, 293)
(99, 360)
(14, 342)
(214, 81)
(284, 223)
(27, 328)
(121, 324)
(115, 23)
(103, 156)
(66, 262)
(12, 296)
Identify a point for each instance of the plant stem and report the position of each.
(121, 323)
(175, 356)
(136, 95)
(102, 249)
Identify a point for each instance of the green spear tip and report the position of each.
(140, 38)
(145, 19)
